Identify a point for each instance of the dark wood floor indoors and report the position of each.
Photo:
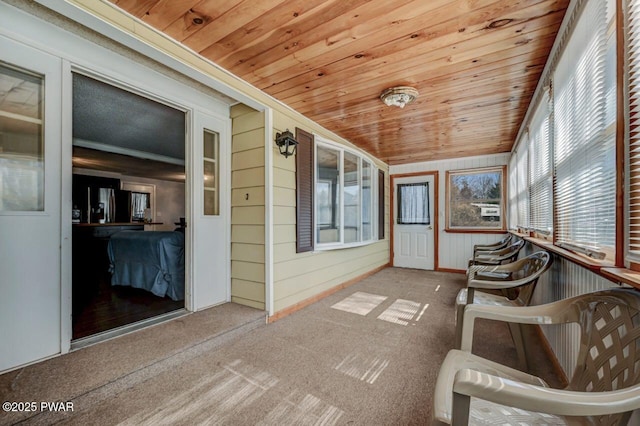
(98, 306)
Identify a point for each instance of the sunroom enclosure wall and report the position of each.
(454, 249)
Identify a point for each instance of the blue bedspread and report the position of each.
(150, 260)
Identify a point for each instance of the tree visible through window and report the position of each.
(475, 199)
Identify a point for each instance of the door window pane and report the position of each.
(413, 204)
(327, 195)
(211, 173)
(21, 140)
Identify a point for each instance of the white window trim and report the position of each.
(318, 247)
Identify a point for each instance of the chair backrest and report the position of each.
(529, 269)
(495, 246)
(504, 255)
(609, 355)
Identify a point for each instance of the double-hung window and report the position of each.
(513, 193)
(345, 197)
(522, 196)
(584, 103)
(541, 169)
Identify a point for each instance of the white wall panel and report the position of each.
(455, 249)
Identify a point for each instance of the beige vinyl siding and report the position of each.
(300, 276)
(245, 138)
(247, 207)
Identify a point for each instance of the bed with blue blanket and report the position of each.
(149, 260)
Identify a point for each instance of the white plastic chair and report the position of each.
(497, 257)
(495, 246)
(517, 278)
(605, 386)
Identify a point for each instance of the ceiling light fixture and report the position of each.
(399, 96)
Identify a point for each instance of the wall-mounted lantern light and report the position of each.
(286, 143)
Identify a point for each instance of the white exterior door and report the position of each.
(413, 245)
(30, 185)
(209, 228)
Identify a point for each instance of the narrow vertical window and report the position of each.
(381, 205)
(328, 223)
(367, 201)
(21, 140)
(211, 173)
(352, 216)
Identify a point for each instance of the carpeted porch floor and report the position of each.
(366, 355)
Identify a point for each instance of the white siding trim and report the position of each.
(66, 169)
(268, 210)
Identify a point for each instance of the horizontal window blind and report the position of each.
(540, 167)
(584, 134)
(513, 192)
(633, 57)
(522, 172)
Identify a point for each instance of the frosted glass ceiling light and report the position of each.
(399, 96)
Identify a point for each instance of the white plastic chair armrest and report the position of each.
(544, 400)
(497, 285)
(550, 313)
(473, 270)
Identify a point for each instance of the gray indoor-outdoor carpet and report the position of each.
(366, 355)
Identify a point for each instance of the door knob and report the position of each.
(429, 227)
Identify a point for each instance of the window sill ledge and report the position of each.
(622, 275)
(476, 231)
(580, 259)
(328, 246)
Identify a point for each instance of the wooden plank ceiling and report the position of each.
(475, 63)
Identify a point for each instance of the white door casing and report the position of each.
(209, 234)
(413, 244)
(35, 269)
(30, 283)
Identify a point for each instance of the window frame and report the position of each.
(627, 107)
(569, 227)
(321, 142)
(539, 178)
(503, 197)
(615, 115)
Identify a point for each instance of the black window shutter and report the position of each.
(304, 191)
(380, 205)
